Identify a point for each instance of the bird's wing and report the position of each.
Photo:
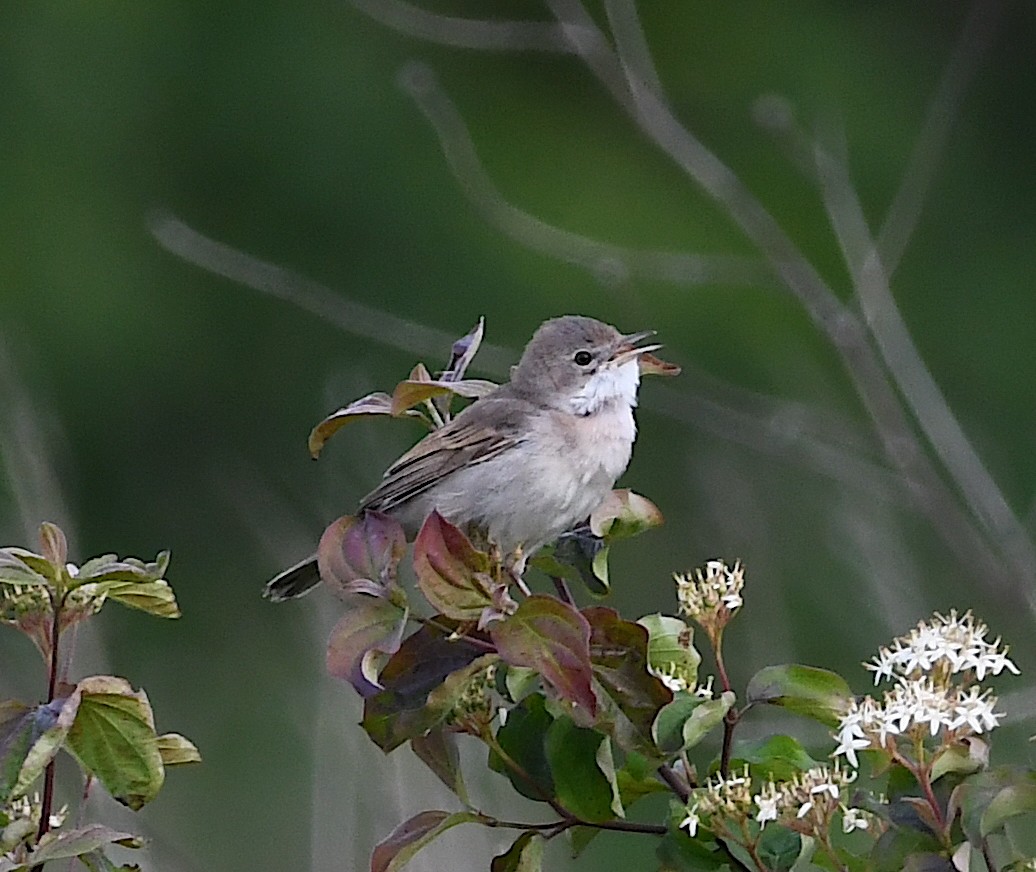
(464, 441)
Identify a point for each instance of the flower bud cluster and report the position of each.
(711, 596)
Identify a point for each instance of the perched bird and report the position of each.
(530, 460)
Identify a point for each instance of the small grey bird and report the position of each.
(530, 460)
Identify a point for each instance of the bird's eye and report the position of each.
(582, 358)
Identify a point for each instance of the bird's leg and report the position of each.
(515, 566)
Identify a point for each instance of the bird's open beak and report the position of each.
(627, 348)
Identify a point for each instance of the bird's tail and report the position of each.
(293, 582)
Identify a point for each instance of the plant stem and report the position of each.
(561, 586)
(731, 718)
(56, 603)
(673, 781)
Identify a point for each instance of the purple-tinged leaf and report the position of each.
(632, 696)
(29, 739)
(581, 784)
(423, 663)
(806, 690)
(553, 638)
(369, 631)
(525, 855)
(378, 403)
(394, 852)
(451, 572)
(463, 351)
(624, 513)
(360, 554)
(53, 544)
(437, 749)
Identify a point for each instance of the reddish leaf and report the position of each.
(394, 852)
(619, 658)
(423, 663)
(437, 749)
(363, 548)
(370, 627)
(451, 572)
(553, 638)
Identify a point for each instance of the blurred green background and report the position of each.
(147, 403)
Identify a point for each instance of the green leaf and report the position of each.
(779, 848)
(423, 662)
(154, 597)
(671, 642)
(399, 848)
(624, 513)
(678, 852)
(688, 719)
(361, 553)
(451, 572)
(67, 844)
(776, 758)
(553, 638)
(637, 778)
(18, 566)
(577, 555)
(176, 750)
(806, 690)
(619, 659)
(113, 736)
(987, 800)
(896, 844)
(378, 403)
(522, 738)
(369, 631)
(29, 739)
(580, 784)
(525, 855)
(437, 749)
(520, 681)
(580, 838)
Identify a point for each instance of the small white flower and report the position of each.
(691, 822)
(854, 819)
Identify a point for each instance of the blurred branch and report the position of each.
(352, 317)
(611, 264)
(912, 377)
(466, 32)
(905, 210)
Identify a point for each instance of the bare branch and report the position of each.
(975, 39)
(475, 33)
(611, 264)
(352, 317)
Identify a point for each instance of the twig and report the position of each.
(561, 586)
(57, 603)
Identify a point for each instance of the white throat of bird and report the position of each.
(610, 385)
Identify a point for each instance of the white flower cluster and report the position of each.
(951, 644)
(926, 700)
(711, 596)
(681, 678)
(812, 798)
